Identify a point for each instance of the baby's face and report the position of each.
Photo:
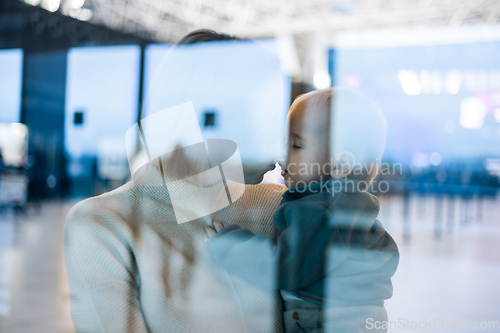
(308, 148)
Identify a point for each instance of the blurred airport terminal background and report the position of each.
(74, 75)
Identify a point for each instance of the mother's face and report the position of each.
(241, 83)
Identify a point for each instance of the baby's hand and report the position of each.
(209, 232)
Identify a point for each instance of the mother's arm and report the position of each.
(100, 267)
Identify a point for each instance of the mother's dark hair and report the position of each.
(205, 35)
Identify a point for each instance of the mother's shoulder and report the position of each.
(107, 206)
(266, 189)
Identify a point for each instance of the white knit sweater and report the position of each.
(132, 268)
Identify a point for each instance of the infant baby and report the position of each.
(332, 260)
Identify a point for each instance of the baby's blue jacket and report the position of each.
(330, 247)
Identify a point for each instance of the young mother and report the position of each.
(133, 268)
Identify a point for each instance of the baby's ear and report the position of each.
(344, 163)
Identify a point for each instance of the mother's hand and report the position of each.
(209, 231)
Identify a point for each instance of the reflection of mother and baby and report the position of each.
(186, 246)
